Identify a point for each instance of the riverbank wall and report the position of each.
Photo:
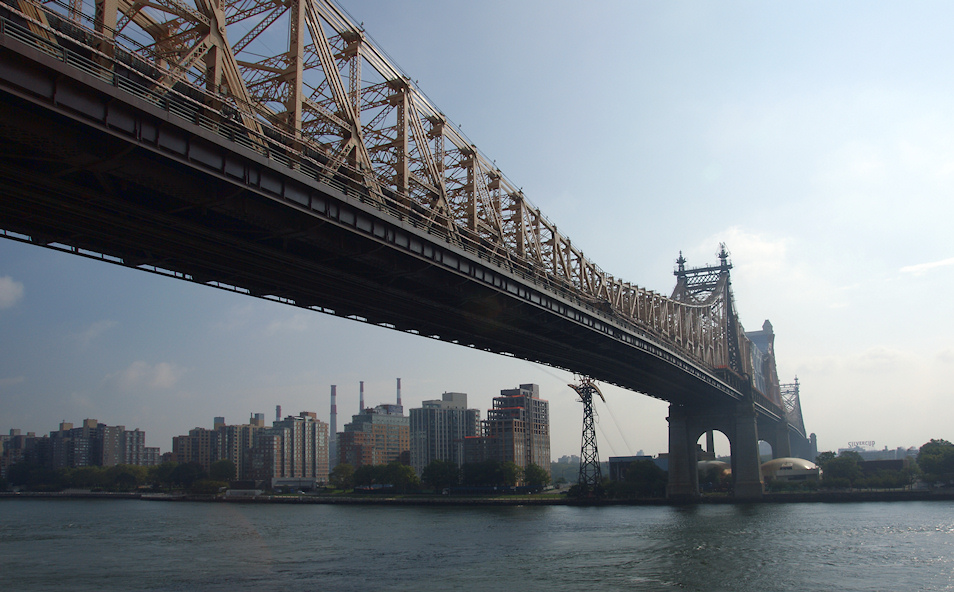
(424, 500)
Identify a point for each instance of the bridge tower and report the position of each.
(710, 287)
(591, 476)
(802, 445)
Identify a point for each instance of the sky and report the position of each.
(815, 139)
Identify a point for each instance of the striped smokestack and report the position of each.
(334, 412)
(361, 398)
(333, 440)
(399, 392)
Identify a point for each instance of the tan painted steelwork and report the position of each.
(301, 74)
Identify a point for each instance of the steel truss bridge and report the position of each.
(164, 135)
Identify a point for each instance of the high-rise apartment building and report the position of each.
(96, 444)
(438, 429)
(308, 437)
(294, 447)
(200, 446)
(235, 442)
(517, 429)
(374, 437)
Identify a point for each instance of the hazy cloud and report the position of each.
(94, 331)
(882, 359)
(922, 268)
(757, 254)
(236, 317)
(295, 323)
(5, 382)
(11, 291)
(139, 375)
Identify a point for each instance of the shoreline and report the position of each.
(412, 500)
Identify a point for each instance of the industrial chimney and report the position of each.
(333, 440)
(278, 412)
(361, 398)
(399, 392)
(334, 411)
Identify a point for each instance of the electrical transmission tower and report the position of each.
(591, 477)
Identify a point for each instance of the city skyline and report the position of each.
(814, 140)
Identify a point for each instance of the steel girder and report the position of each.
(330, 101)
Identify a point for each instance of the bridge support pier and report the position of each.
(783, 437)
(683, 474)
(739, 426)
(746, 464)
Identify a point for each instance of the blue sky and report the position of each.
(815, 139)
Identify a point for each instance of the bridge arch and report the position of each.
(687, 425)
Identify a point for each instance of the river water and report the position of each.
(148, 545)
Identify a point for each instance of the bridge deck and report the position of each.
(92, 166)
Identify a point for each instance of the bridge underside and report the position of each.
(90, 168)
(163, 186)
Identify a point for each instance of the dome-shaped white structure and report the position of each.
(790, 469)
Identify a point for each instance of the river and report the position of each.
(148, 545)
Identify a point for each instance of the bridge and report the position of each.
(155, 135)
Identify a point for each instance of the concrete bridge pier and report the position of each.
(686, 426)
(683, 474)
(746, 464)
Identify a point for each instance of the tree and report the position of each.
(161, 474)
(824, 458)
(508, 473)
(401, 476)
(440, 474)
(222, 470)
(936, 459)
(644, 478)
(367, 475)
(342, 476)
(185, 474)
(843, 471)
(36, 477)
(535, 476)
(207, 487)
(490, 473)
(125, 477)
(87, 477)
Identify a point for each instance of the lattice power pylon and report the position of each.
(591, 476)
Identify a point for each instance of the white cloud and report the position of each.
(140, 375)
(922, 268)
(755, 254)
(11, 291)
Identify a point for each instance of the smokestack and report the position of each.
(399, 392)
(333, 440)
(334, 412)
(278, 412)
(361, 399)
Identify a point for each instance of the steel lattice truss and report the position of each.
(300, 75)
(793, 406)
(710, 288)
